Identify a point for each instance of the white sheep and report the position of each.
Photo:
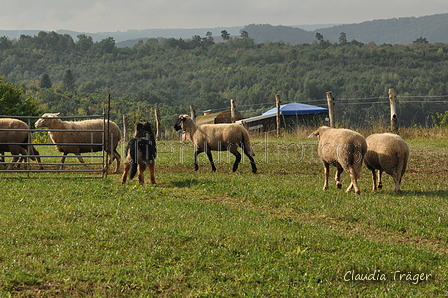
(344, 149)
(84, 139)
(217, 137)
(388, 153)
(14, 138)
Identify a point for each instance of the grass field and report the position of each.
(204, 234)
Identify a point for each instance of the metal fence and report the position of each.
(50, 165)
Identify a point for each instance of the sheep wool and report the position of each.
(85, 139)
(388, 153)
(344, 149)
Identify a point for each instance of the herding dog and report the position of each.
(140, 151)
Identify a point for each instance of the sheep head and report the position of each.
(44, 120)
(180, 122)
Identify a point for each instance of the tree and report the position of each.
(319, 37)
(421, 40)
(343, 38)
(45, 81)
(12, 103)
(244, 34)
(225, 35)
(68, 82)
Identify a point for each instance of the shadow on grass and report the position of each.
(425, 193)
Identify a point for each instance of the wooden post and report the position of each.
(277, 104)
(393, 112)
(330, 102)
(125, 128)
(192, 113)
(157, 115)
(232, 111)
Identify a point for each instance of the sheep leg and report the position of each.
(81, 160)
(116, 156)
(237, 159)
(337, 177)
(374, 180)
(327, 174)
(380, 180)
(354, 182)
(397, 181)
(210, 158)
(252, 162)
(152, 164)
(196, 153)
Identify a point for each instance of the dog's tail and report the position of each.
(133, 151)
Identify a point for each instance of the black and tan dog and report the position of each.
(141, 152)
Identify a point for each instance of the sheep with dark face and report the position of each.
(14, 137)
(85, 139)
(344, 149)
(386, 153)
(217, 137)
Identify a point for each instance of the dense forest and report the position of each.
(76, 77)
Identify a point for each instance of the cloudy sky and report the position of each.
(120, 15)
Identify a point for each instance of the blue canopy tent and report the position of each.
(292, 114)
(297, 109)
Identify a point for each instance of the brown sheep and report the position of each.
(14, 137)
(387, 153)
(217, 137)
(344, 149)
(84, 139)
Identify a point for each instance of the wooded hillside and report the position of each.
(76, 77)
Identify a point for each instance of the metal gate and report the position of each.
(50, 165)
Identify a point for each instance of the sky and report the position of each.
(93, 16)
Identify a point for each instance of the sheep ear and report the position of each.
(314, 134)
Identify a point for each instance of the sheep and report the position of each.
(140, 152)
(388, 153)
(83, 138)
(13, 133)
(217, 137)
(344, 149)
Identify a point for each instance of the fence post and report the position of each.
(393, 112)
(125, 128)
(330, 102)
(192, 113)
(232, 111)
(277, 105)
(157, 115)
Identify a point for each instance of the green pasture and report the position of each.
(224, 234)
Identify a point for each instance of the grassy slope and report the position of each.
(224, 234)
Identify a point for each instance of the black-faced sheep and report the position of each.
(14, 138)
(389, 153)
(141, 151)
(217, 137)
(84, 138)
(344, 149)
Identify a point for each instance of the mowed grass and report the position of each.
(204, 234)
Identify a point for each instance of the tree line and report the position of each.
(74, 77)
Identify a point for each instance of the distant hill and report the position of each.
(391, 31)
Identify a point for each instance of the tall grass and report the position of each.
(204, 234)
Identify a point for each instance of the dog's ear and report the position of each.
(139, 126)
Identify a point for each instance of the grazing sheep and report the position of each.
(344, 149)
(140, 152)
(12, 134)
(84, 139)
(386, 153)
(217, 137)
